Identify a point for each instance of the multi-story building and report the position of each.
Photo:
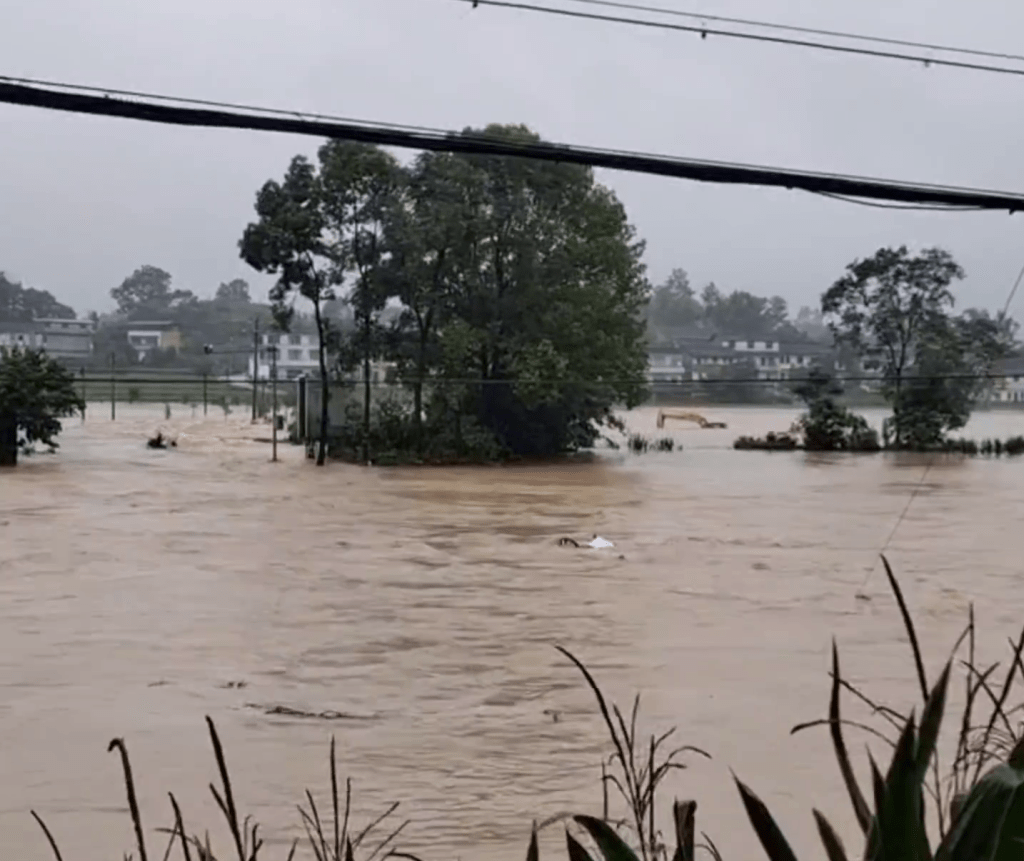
(297, 355)
(68, 340)
(702, 358)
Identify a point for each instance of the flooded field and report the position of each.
(135, 585)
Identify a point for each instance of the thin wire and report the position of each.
(813, 31)
(753, 37)
(653, 381)
(920, 207)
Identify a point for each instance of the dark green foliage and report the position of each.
(146, 294)
(770, 442)
(520, 289)
(36, 392)
(674, 304)
(895, 310)
(290, 240)
(827, 425)
(20, 304)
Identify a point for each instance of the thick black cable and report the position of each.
(704, 32)
(481, 144)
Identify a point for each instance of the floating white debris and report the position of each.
(599, 543)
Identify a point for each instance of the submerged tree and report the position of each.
(36, 392)
(426, 227)
(360, 185)
(516, 287)
(551, 292)
(828, 425)
(897, 306)
(290, 240)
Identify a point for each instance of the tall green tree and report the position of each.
(424, 234)
(551, 292)
(898, 306)
(236, 291)
(674, 303)
(20, 304)
(147, 293)
(290, 239)
(35, 393)
(359, 185)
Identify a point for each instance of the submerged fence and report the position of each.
(175, 388)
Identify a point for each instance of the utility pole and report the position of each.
(113, 390)
(255, 362)
(273, 386)
(82, 372)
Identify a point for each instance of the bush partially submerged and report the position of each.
(771, 442)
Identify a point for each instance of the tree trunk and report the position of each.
(325, 394)
(896, 411)
(366, 389)
(417, 393)
(8, 440)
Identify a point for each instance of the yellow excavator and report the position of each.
(682, 416)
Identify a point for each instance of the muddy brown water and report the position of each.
(135, 585)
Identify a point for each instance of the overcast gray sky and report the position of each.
(84, 200)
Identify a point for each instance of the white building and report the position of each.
(1009, 387)
(144, 336)
(705, 358)
(297, 355)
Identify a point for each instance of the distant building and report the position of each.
(1008, 388)
(69, 340)
(144, 336)
(298, 355)
(19, 335)
(702, 358)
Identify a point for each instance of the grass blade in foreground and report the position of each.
(612, 847)
(768, 832)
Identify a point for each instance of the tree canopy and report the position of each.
(20, 304)
(147, 294)
(519, 288)
(898, 306)
(35, 393)
(675, 304)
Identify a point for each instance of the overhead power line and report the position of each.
(66, 99)
(811, 31)
(704, 32)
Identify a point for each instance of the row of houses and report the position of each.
(701, 357)
(690, 357)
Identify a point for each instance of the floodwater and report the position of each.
(137, 585)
